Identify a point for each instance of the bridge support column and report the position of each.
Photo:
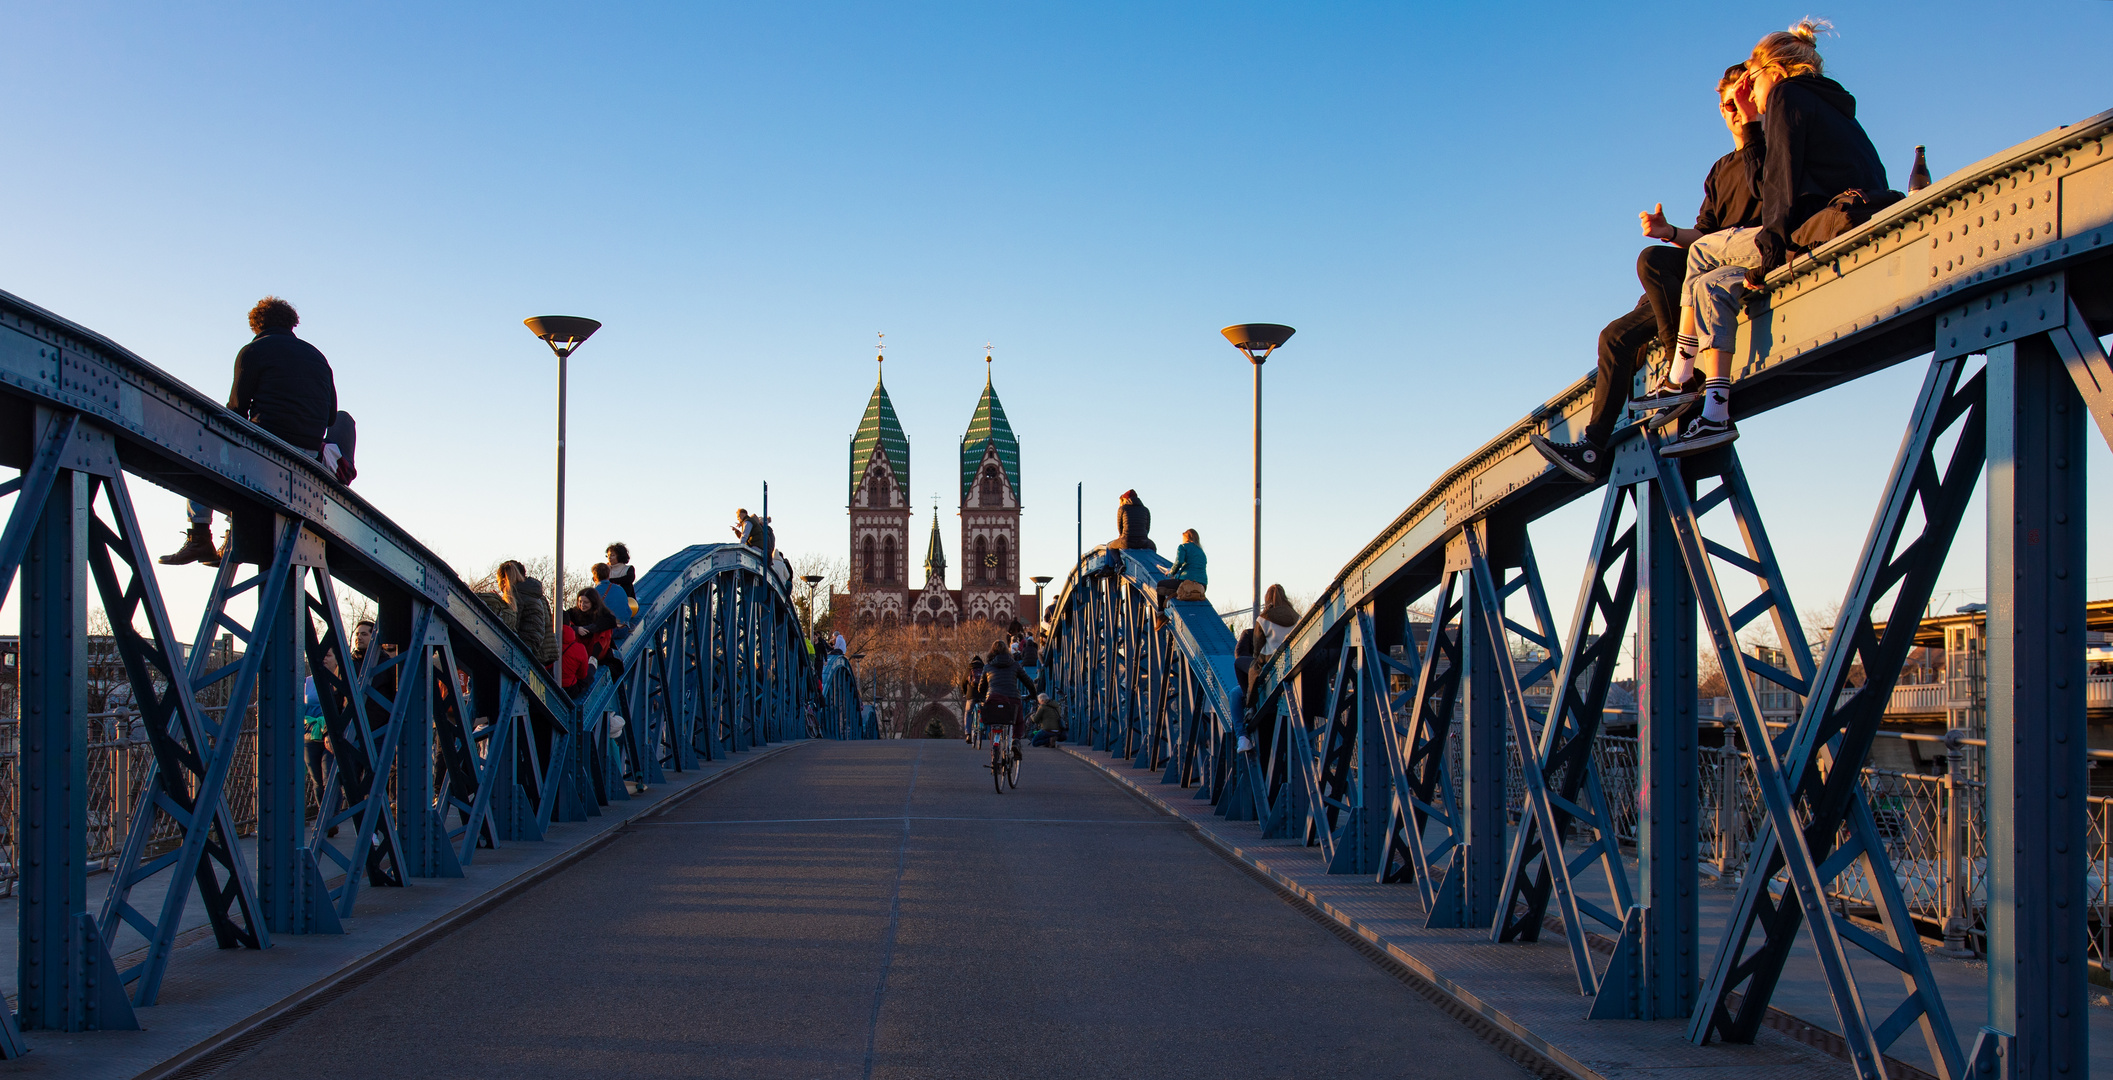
(1664, 977)
(66, 978)
(2037, 783)
(281, 767)
(1482, 750)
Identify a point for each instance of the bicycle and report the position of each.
(1004, 755)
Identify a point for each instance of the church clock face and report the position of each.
(991, 560)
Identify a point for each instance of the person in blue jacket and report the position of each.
(1186, 579)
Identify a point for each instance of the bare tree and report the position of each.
(833, 571)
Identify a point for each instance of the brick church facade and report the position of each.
(882, 587)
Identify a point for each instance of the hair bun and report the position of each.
(1809, 29)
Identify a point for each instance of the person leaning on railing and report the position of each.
(1731, 199)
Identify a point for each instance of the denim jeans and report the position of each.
(1715, 288)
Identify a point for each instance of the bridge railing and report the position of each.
(1421, 760)
(424, 774)
(1164, 695)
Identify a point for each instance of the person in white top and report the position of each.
(1278, 617)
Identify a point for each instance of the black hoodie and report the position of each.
(1816, 150)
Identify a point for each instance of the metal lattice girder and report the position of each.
(1162, 694)
(1421, 772)
(189, 776)
(1558, 772)
(1818, 825)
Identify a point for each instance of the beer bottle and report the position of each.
(1919, 176)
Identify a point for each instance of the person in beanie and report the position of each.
(1133, 524)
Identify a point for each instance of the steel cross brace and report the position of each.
(187, 782)
(1538, 864)
(1834, 738)
(1421, 773)
(366, 734)
(1826, 750)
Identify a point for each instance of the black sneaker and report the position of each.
(1661, 392)
(1703, 434)
(1581, 459)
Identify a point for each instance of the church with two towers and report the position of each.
(883, 588)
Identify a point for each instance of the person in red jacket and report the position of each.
(577, 668)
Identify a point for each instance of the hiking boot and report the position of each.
(1703, 434)
(1581, 459)
(1661, 392)
(197, 548)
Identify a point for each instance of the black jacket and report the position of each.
(283, 385)
(1731, 193)
(1816, 150)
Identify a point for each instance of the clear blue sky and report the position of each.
(1441, 198)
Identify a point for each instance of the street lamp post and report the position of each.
(814, 582)
(564, 334)
(1040, 583)
(1257, 340)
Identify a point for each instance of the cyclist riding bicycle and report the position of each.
(972, 700)
(1001, 697)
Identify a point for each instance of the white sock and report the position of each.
(1716, 400)
(1684, 358)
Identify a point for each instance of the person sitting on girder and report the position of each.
(1822, 177)
(1186, 579)
(623, 575)
(614, 599)
(1133, 524)
(595, 626)
(283, 385)
(749, 528)
(1731, 199)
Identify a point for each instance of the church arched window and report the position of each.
(998, 564)
(869, 568)
(991, 494)
(982, 571)
(887, 547)
(876, 491)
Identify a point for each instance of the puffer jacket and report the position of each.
(1133, 527)
(532, 621)
(1001, 679)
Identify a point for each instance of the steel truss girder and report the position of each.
(193, 755)
(1809, 779)
(1538, 866)
(1420, 771)
(1162, 695)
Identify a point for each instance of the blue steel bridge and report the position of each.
(1418, 869)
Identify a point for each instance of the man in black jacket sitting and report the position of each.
(1731, 199)
(283, 385)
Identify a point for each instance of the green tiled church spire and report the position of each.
(880, 428)
(934, 553)
(989, 428)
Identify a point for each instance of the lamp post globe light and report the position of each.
(1257, 341)
(564, 334)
